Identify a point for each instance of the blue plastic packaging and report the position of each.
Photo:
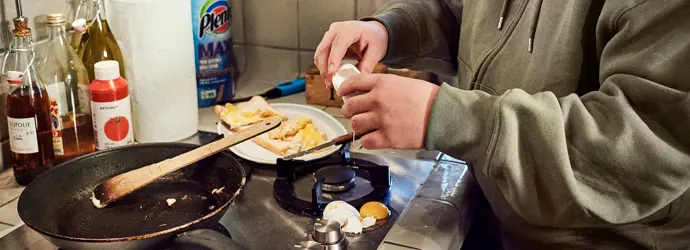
(211, 21)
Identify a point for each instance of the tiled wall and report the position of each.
(280, 36)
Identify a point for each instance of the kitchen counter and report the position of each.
(436, 217)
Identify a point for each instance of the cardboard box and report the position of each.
(318, 94)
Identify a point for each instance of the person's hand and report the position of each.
(394, 109)
(368, 40)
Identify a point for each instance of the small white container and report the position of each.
(346, 71)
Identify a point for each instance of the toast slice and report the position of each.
(291, 137)
(247, 113)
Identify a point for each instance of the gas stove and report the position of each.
(258, 220)
(280, 204)
(305, 188)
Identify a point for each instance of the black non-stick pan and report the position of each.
(57, 204)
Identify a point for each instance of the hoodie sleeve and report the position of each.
(612, 156)
(422, 34)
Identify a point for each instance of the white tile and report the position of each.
(316, 16)
(7, 195)
(369, 7)
(270, 66)
(7, 179)
(306, 60)
(207, 120)
(237, 21)
(4, 229)
(9, 214)
(271, 22)
(298, 98)
(251, 88)
(240, 53)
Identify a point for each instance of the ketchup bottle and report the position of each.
(110, 106)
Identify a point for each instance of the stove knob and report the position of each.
(327, 232)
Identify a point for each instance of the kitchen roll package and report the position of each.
(156, 40)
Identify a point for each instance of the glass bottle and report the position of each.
(67, 85)
(28, 105)
(100, 45)
(77, 22)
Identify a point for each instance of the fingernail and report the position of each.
(331, 68)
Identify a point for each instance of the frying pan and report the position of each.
(57, 204)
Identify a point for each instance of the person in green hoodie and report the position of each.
(574, 115)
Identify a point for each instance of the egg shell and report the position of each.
(353, 225)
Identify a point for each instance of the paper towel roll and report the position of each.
(157, 43)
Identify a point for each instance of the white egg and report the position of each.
(340, 211)
(353, 225)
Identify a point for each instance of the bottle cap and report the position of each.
(55, 19)
(14, 77)
(79, 25)
(107, 70)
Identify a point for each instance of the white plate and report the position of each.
(325, 122)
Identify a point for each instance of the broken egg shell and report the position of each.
(339, 211)
(368, 221)
(353, 225)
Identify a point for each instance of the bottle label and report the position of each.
(23, 137)
(56, 124)
(112, 123)
(58, 91)
(211, 21)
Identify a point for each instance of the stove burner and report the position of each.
(336, 173)
(335, 178)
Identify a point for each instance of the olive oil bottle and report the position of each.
(100, 44)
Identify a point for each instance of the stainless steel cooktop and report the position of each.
(426, 197)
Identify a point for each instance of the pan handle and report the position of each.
(206, 239)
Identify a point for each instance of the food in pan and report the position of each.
(292, 136)
(217, 190)
(171, 201)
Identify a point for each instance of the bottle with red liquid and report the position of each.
(110, 107)
(28, 108)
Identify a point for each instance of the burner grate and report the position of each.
(292, 172)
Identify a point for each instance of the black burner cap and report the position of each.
(335, 175)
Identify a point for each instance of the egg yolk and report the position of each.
(374, 208)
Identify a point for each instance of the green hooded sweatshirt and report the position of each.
(574, 114)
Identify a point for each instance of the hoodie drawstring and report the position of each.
(533, 26)
(504, 11)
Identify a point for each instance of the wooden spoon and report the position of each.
(124, 184)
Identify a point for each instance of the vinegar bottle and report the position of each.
(100, 44)
(77, 23)
(67, 85)
(112, 114)
(27, 108)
